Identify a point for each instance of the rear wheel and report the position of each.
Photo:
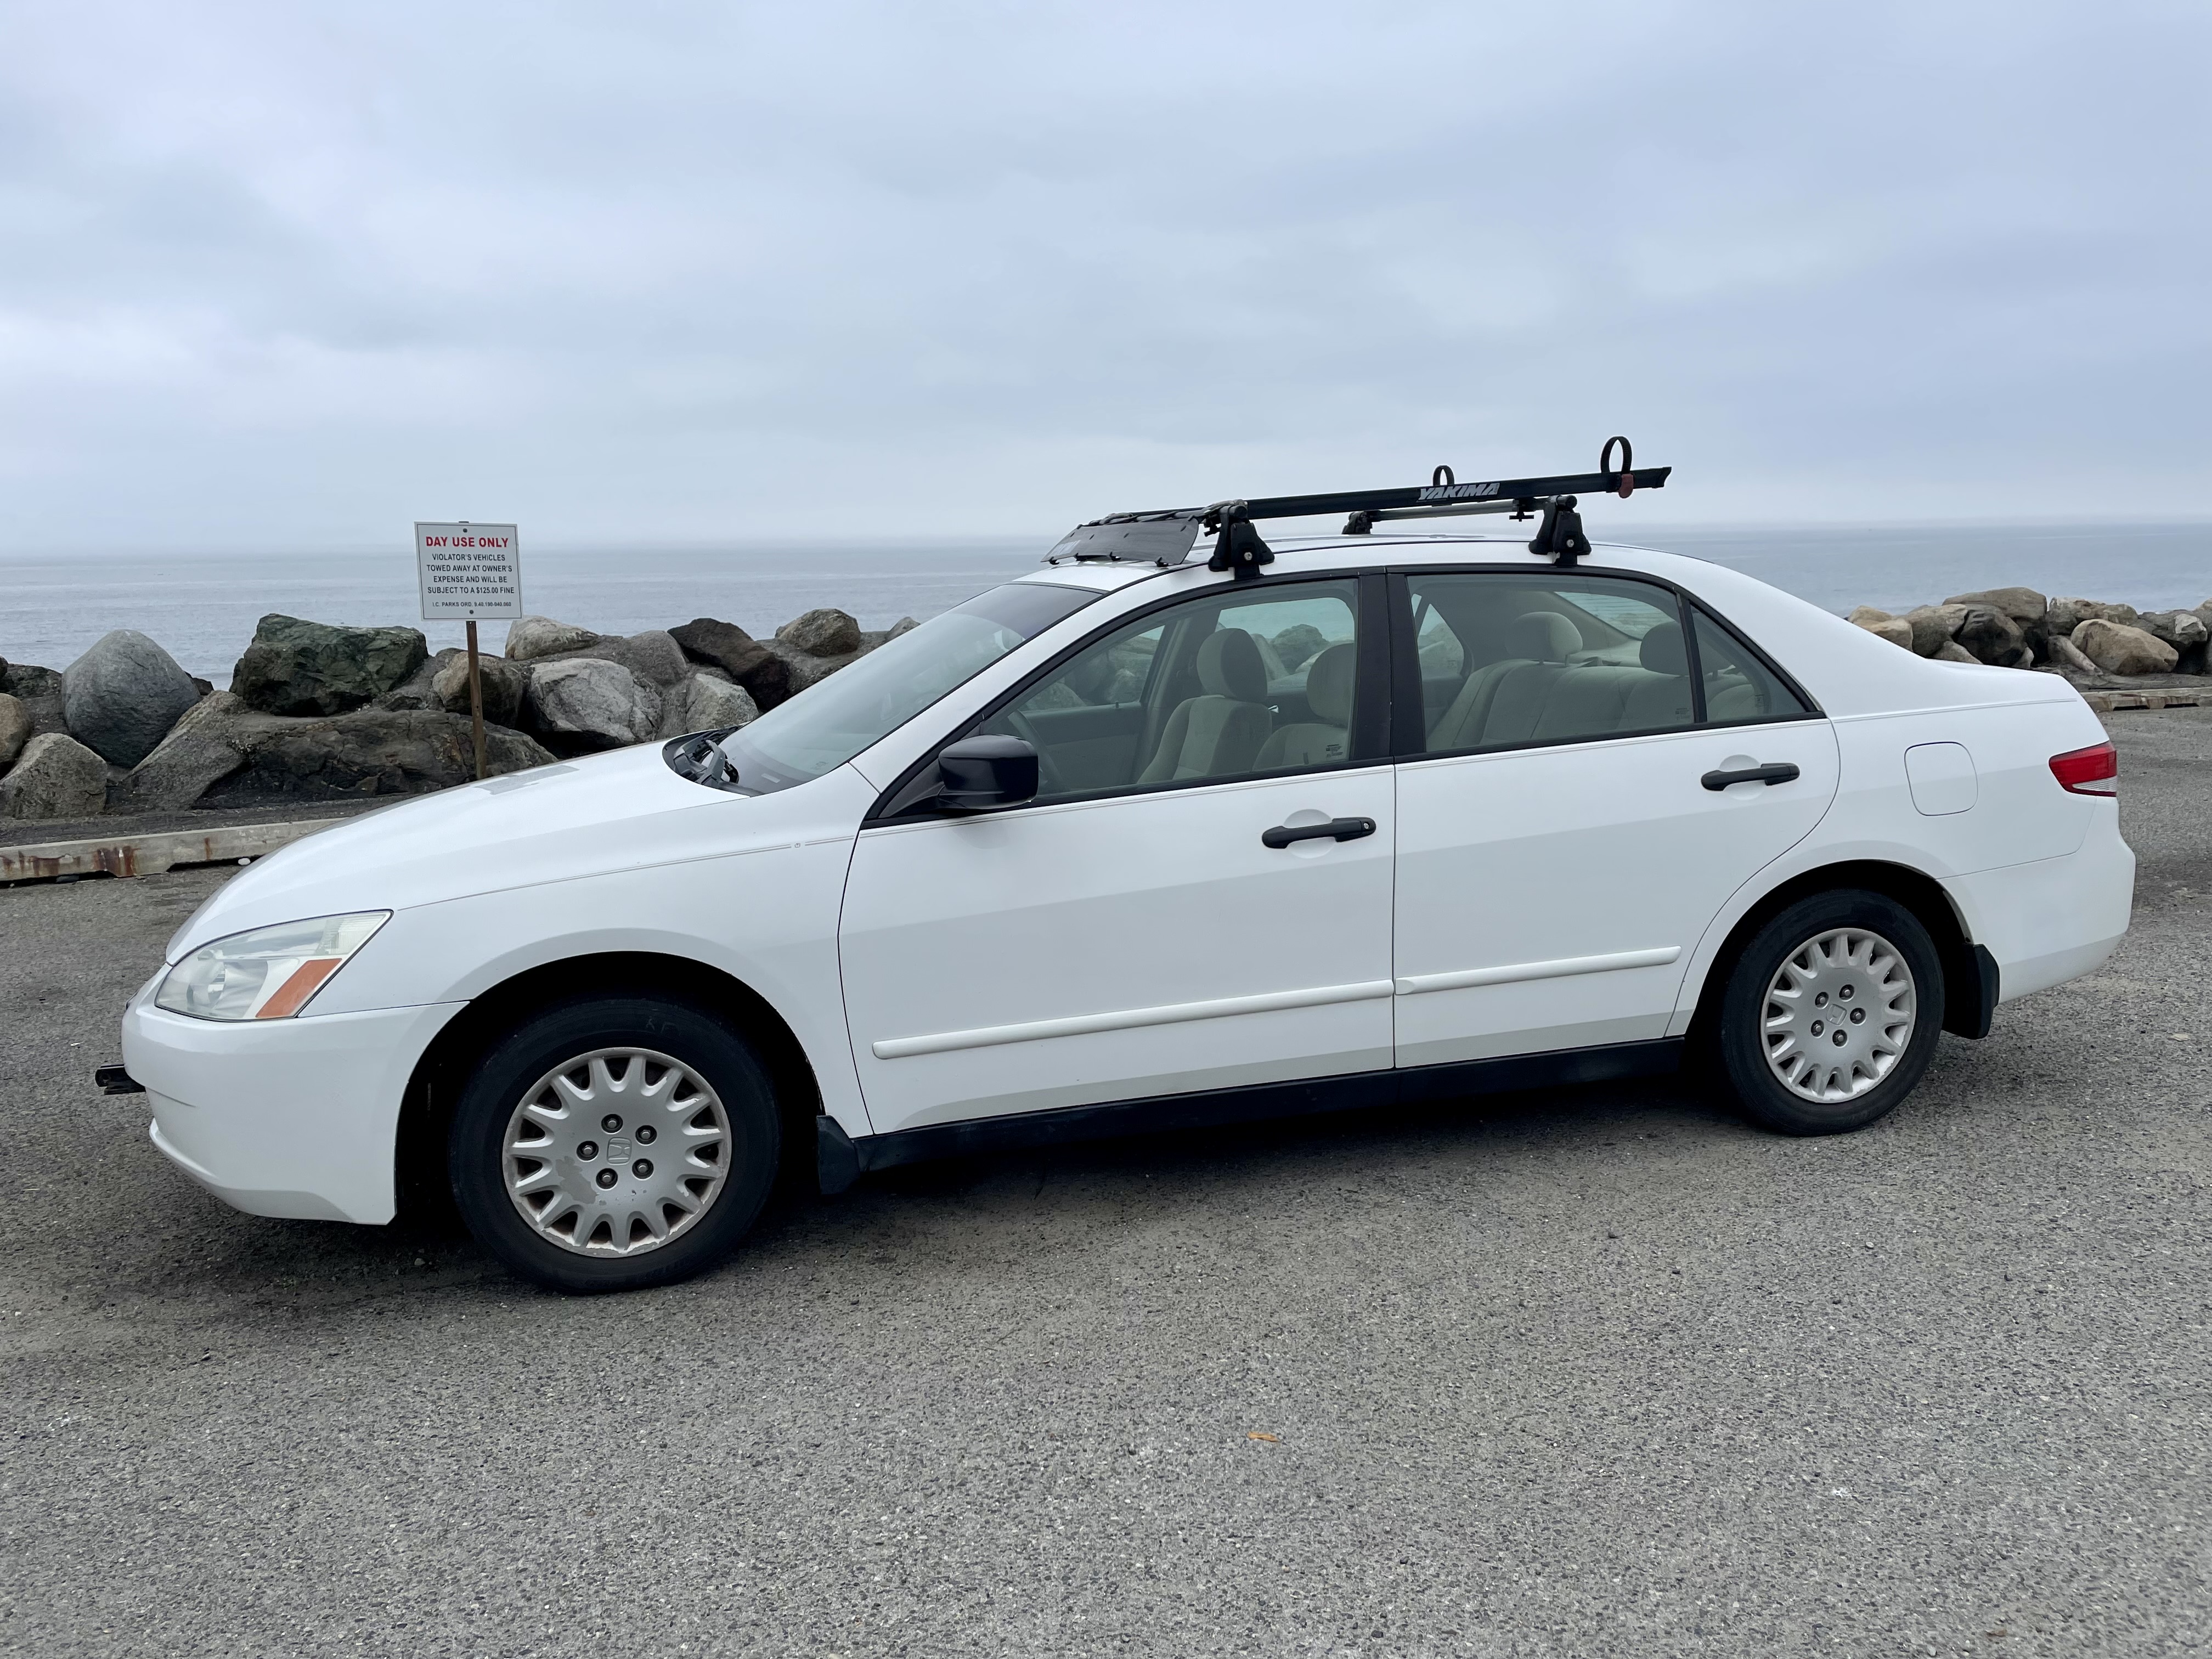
(1831, 1013)
(614, 1143)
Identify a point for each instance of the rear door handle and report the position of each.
(1777, 772)
(1335, 830)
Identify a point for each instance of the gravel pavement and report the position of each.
(1598, 1371)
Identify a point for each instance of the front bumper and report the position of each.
(282, 1117)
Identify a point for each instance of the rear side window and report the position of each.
(1506, 660)
(1738, 686)
(1546, 659)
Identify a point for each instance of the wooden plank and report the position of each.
(150, 854)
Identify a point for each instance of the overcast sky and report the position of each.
(300, 274)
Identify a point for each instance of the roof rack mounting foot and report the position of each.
(1559, 538)
(1238, 548)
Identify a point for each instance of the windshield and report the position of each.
(835, 719)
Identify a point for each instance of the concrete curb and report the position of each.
(150, 854)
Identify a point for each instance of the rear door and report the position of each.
(1560, 849)
(1137, 931)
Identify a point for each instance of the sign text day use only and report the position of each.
(469, 570)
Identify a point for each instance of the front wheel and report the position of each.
(612, 1142)
(1831, 1013)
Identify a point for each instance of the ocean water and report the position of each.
(203, 605)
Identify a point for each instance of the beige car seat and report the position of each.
(1321, 740)
(1218, 734)
(1662, 700)
(1539, 636)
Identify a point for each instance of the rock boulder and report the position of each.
(415, 691)
(803, 668)
(653, 656)
(1933, 625)
(55, 777)
(705, 703)
(373, 751)
(2180, 628)
(212, 741)
(1989, 635)
(39, 691)
(121, 698)
(15, 729)
(295, 667)
(1895, 630)
(541, 636)
(822, 633)
(505, 685)
(2117, 648)
(578, 705)
(727, 646)
(2026, 609)
(2067, 615)
(2065, 655)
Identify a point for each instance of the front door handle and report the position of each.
(1335, 830)
(1777, 772)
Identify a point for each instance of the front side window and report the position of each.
(830, 722)
(1238, 682)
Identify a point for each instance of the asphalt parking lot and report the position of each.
(1592, 1372)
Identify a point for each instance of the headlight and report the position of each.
(268, 973)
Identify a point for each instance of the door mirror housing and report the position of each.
(983, 774)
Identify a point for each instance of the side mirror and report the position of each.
(980, 775)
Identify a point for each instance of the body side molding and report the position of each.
(1513, 972)
(1124, 1019)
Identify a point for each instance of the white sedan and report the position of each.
(1132, 845)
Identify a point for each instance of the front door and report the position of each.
(1559, 851)
(1136, 930)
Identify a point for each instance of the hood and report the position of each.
(624, 809)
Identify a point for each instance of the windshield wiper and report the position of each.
(699, 757)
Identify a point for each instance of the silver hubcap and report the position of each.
(616, 1152)
(1839, 1015)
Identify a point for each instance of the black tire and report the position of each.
(1741, 1036)
(544, 1043)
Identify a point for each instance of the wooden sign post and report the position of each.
(469, 570)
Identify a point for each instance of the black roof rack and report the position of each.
(1167, 538)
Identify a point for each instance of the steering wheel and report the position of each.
(1049, 779)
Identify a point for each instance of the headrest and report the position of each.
(1662, 651)
(1229, 666)
(1545, 636)
(1329, 684)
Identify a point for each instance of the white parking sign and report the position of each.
(469, 570)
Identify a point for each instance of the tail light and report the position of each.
(2093, 771)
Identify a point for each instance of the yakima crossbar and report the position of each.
(1166, 536)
